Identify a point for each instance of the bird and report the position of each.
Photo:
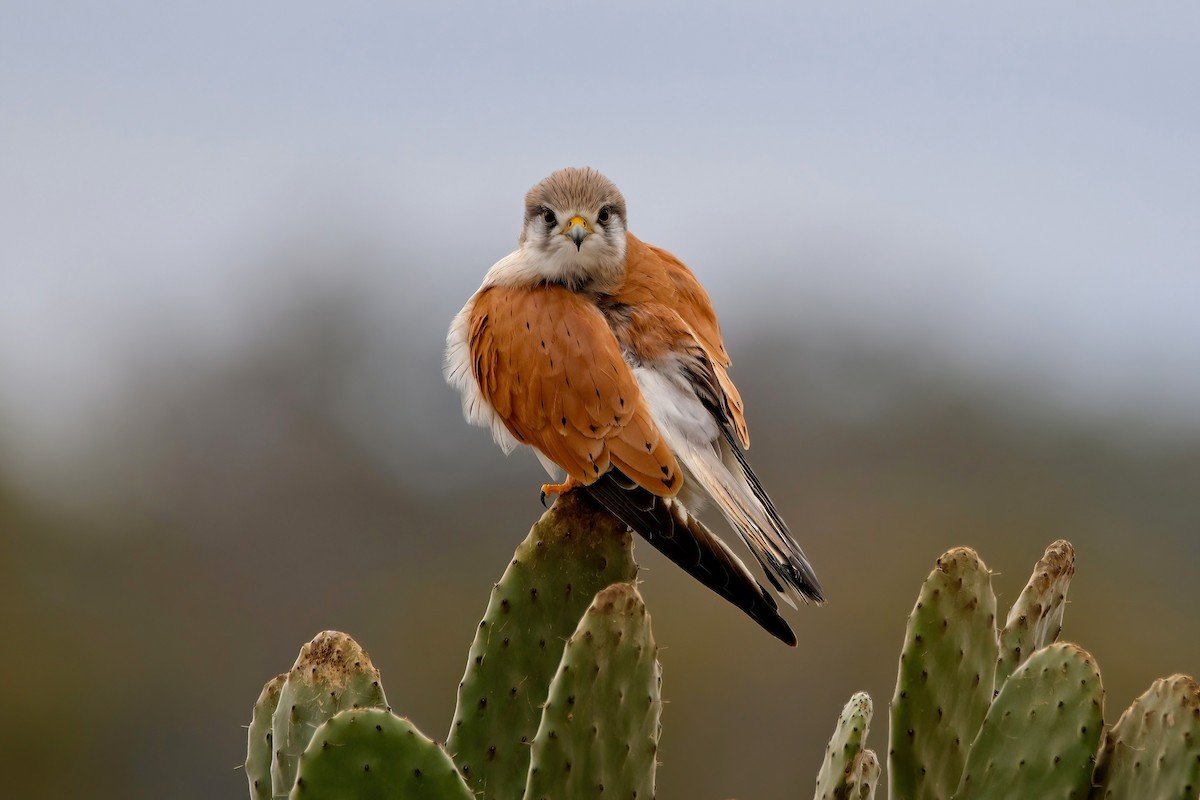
(604, 355)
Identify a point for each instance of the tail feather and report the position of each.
(726, 476)
(665, 523)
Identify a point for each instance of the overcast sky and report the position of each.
(1019, 184)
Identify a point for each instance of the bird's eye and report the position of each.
(605, 214)
(548, 216)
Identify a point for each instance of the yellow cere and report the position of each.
(577, 220)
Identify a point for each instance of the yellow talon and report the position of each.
(558, 488)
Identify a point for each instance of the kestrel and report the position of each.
(603, 354)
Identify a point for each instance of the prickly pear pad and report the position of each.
(331, 674)
(598, 735)
(372, 754)
(843, 755)
(573, 552)
(258, 740)
(1040, 736)
(1036, 618)
(1153, 752)
(863, 782)
(944, 686)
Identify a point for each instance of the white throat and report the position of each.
(598, 266)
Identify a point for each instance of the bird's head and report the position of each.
(574, 230)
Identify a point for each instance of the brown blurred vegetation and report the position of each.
(228, 509)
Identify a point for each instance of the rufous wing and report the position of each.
(655, 275)
(546, 360)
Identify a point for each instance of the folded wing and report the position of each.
(656, 276)
(547, 362)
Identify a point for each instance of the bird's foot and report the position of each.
(558, 488)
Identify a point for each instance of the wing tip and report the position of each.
(667, 526)
(802, 583)
(784, 634)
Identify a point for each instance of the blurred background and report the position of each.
(956, 252)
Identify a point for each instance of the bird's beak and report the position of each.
(578, 229)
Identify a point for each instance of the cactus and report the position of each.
(598, 734)
(573, 552)
(842, 770)
(538, 719)
(862, 784)
(331, 674)
(372, 754)
(1153, 752)
(946, 675)
(1040, 736)
(258, 740)
(1036, 618)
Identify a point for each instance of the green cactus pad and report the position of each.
(1036, 618)
(258, 740)
(863, 782)
(1153, 752)
(574, 551)
(945, 681)
(840, 772)
(331, 674)
(371, 754)
(598, 735)
(1040, 737)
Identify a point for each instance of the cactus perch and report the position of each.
(561, 698)
(573, 552)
